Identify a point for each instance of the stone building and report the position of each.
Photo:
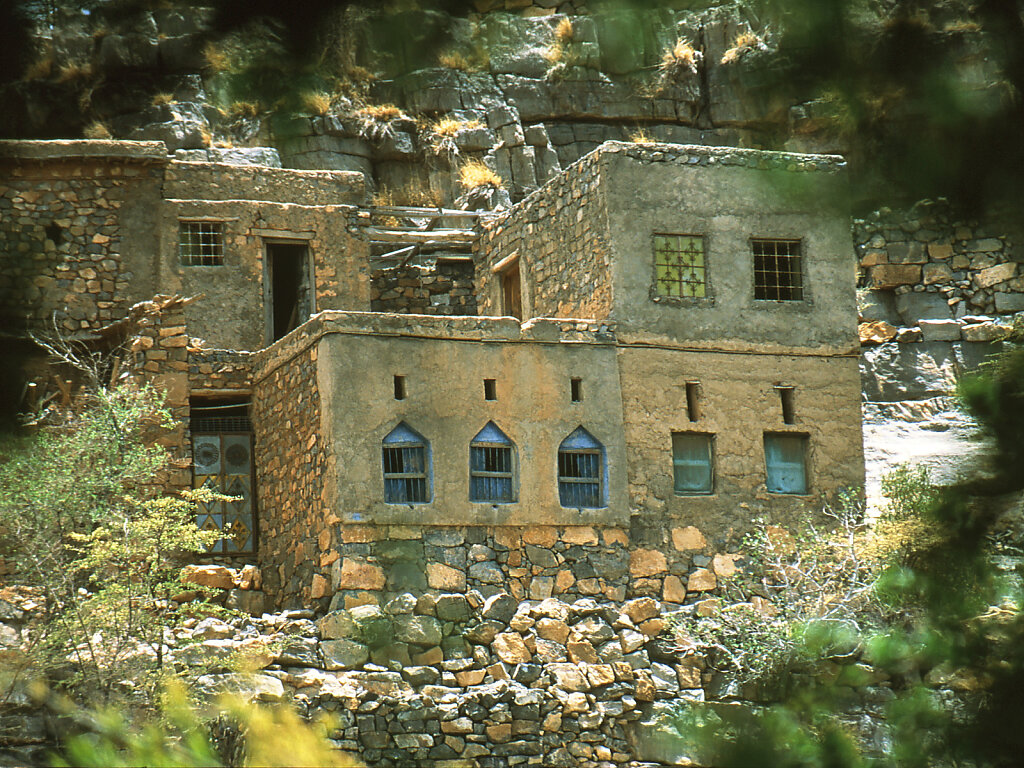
(665, 350)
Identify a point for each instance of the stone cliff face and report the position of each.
(524, 87)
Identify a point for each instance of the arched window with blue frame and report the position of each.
(406, 461)
(492, 467)
(581, 471)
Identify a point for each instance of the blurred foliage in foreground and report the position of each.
(230, 732)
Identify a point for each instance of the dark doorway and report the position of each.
(291, 299)
(511, 292)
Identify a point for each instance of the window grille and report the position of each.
(491, 467)
(201, 243)
(785, 458)
(406, 462)
(692, 465)
(778, 271)
(680, 269)
(581, 471)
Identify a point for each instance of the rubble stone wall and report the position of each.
(925, 264)
(76, 233)
(560, 234)
(444, 288)
(160, 358)
(291, 468)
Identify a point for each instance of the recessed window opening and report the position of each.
(491, 466)
(778, 272)
(490, 389)
(692, 463)
(54, 233)
(222, 461)
(786, 400)
(291, 298)
(581, 471)
(576, 390)
(201, 243)
(405, 457)
(693, 400)
(679, 266)
(399, 387)
(785, 458)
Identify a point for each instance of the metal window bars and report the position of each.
(679, 265)
(405, 474)
(778, 270)
(579, 478)
(491, 473)
(201, 243)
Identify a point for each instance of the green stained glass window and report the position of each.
(679, 266)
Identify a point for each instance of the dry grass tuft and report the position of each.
(380, 113)
(681, 59)
(162, 98)
(441, 134)
(744, 43)
(455, 60)
(474, 174)
(375, 120)
(243, 109)
(207, 136)
(96, 130)
(316, 103)
(640, 137)
(564, 31)
(559, 54)
(217, 59)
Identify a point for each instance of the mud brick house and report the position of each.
(649, 352)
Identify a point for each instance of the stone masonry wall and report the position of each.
(160, 359)
(290, 470)
(369, 564)
(561, 227)
(219, 369)
(429, 289)
(65, 244)
(924, 264)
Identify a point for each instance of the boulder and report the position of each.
(215, 576)
(248, 686)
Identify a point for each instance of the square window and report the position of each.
(778, 270)
(679, 266)
(692, 463)
(785, 460)
(201, 243)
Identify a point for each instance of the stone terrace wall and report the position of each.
(429, 289)
(923, 264)
(560, 232)
(369, 564)
(68, 243)
(291, 466)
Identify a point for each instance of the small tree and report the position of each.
(78, 518)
